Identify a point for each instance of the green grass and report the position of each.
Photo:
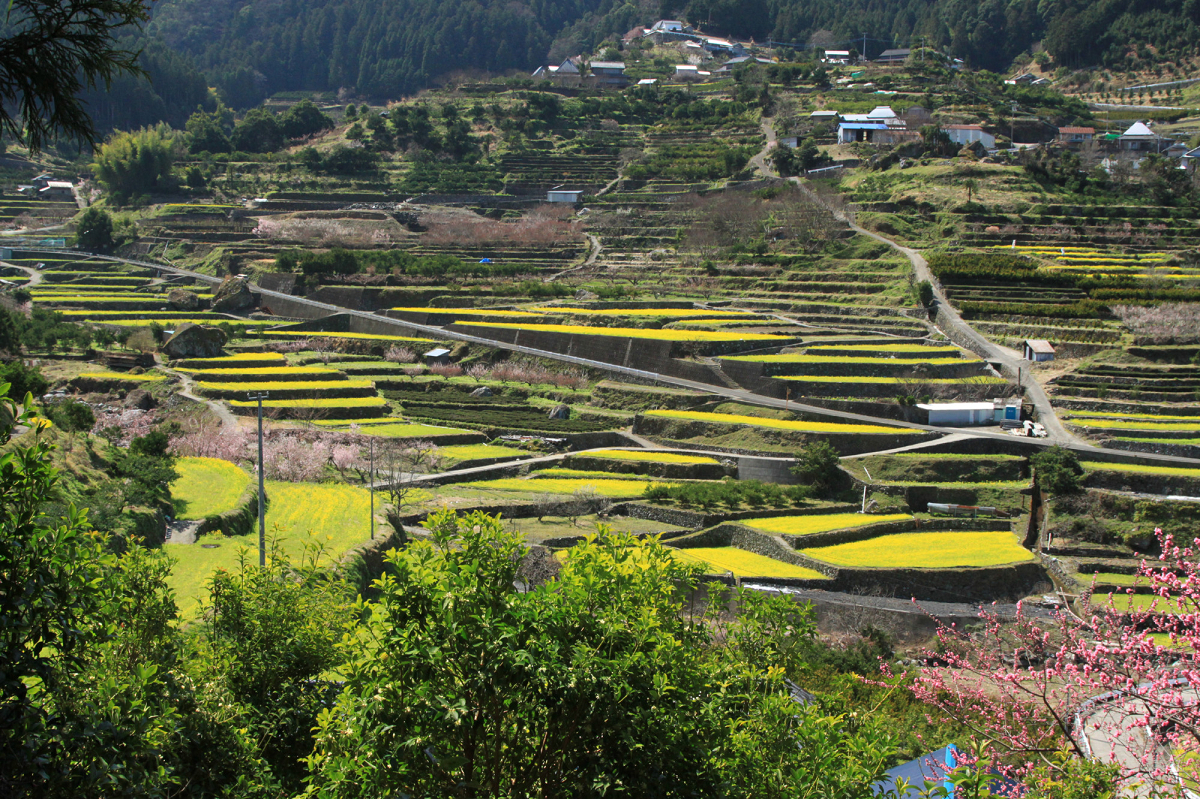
(777, 424)
(937, 550)
(1114, 578)
(1141, 603)
(263, 370)
(207, 486)
(941, 381)
(334, 515)
(581, 474)
(1134, 468)
(324, 334)
(718, 560)
(1147, 416)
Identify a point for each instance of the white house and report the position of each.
(668, 26)
(837, 57)
(1038, 350)
(969, 134)
(859, 131)
(686, 71)
(823, 115)
(1140, 138)
(56, 190)
(957, 414)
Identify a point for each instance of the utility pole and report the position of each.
(262, 522)
(864, 50)
(372, 470)
(1012, 126)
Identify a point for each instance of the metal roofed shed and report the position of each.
(438, 356)
(560, 195)
(958, 414)
(1038, 350)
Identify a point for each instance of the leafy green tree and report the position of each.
(304, 119)
(23, 379)
(208, 132)
(94, 229)
(50, 52)
(818, 466)
(1057, 471)
(72, 416)
(135, 163)
(258, 132)
(597, 683)
(10, 335)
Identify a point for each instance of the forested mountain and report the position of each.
(250, 49)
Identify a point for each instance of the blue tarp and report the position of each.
(926, 767)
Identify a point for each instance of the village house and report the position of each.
(895, 56)
(57, 190)
(1138, 138)
(837, 57)
(1075, 136)
(607, 73)
(969, 134)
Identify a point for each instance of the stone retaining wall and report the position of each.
(845, 443)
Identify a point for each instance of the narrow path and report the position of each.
(35, 276)
(228, 419)
(1009, 359)
(596, 247)
(760, 160)
(950, 439)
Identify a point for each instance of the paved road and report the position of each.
(1011, 359)
(739, 395)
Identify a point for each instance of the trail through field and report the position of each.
(1009, 359)
(223, 413)
(596, 247)
(35, 277)
(760, 160)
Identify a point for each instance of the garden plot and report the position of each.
(777, 424)
(932, 550)
(690, 336)
(913, 468)
(810, 363)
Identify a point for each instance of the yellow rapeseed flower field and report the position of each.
(651, 312)
(641, 332)
(148, 377)
(207, 486)
(348, 402)
(934, 550)
(823, 523)
(717, 560)
(281, 385)
(778, 424)
(604, 487)
(647, 456)
(261, 370)
(334, 515)
(1133, 468)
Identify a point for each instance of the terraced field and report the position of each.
(717, 560)
(934, 550)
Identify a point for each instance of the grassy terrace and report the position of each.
(718, 560)
(820, 523)
(1133, 468)
(776, 424)
(648, 456)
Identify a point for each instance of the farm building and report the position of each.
(895, 56)
(1038, 350)
(1076, 135)
(837, 57)
(439, 356)
(824, 115)
(1006, 409)
(957, 414)
(969, 134)
(560, 195)
(859, 131)
(57, 190)
(608, 73)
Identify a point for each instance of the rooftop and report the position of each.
(606, 64)
(955, 406)
(1039, 345)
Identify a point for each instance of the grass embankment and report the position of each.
(647, 456)
(935, 550)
